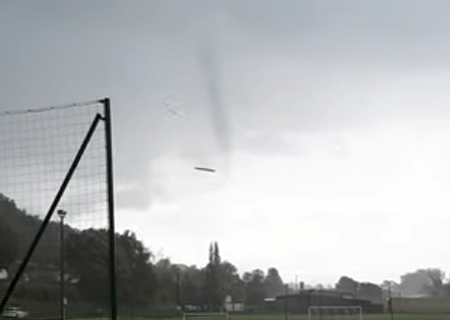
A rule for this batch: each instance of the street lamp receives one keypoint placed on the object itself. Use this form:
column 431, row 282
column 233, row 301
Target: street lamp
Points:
column 62, row 215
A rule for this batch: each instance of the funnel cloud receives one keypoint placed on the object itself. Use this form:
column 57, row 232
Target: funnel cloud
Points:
column 210, row 66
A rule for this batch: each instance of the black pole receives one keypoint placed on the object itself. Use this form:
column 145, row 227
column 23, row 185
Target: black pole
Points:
column 286, row 302
column 319, row 296
column 178, row 289
column 391, row 311
column 110, row 196
column 50, row 212
column 62, row 277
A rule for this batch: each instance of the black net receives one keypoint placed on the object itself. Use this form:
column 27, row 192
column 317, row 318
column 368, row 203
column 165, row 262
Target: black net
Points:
column 37, row 148
column 335, row 313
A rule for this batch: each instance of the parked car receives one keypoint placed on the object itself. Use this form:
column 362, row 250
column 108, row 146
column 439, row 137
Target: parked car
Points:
column 14, row 312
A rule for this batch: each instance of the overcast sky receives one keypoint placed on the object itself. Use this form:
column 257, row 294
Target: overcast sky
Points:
column 328, row 123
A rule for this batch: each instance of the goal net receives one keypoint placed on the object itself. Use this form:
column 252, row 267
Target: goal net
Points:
column 55, row 212
column 206, row 315
column 335, row 312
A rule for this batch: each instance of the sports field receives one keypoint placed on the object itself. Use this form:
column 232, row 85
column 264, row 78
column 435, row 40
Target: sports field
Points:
column 304, row 317
column 368, row 317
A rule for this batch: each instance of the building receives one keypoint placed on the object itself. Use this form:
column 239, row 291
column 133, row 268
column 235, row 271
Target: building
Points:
column 300, row 302
column 421, row 305
column 231, row 306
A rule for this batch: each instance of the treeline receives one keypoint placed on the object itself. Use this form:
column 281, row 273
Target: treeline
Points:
column 362, row 290
column 142, row 281
column 429, row 282
column 145, row 283
column 422, row 282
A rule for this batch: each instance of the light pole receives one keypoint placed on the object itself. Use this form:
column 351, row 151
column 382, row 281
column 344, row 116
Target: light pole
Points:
column 62, row 215
column 391, row 311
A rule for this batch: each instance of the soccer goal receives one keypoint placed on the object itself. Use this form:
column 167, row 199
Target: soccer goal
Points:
column 206, row 315
column 335, row 312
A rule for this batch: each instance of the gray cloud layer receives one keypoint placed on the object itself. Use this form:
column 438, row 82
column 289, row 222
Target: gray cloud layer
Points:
column 282, row 67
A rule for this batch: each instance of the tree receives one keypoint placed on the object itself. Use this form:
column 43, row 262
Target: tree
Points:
column 213, row 284
column 216, row 255
column 370, row 291
column 138, row 279
column 273, row 284
column 25, row 227
column 8, row 244
column 346, row 284
column 390, row 289
column 166, row 283
column 319, row 286
column 254, row 287
column 191, row 280
column 232, row 283
column 423, row 281
column 86, row 254
column 436, row 278
column 87, row 257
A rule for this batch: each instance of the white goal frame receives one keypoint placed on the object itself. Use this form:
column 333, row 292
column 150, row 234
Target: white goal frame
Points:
column 206, row 314
column 357, row 308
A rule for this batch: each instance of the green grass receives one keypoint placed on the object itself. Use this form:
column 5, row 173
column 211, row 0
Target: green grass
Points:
column 304, row 317
column 365, row 317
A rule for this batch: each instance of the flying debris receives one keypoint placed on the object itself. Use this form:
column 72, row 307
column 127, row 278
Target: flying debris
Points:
column 205, row 169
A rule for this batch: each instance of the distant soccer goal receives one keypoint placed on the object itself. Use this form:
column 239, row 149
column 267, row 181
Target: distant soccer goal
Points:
column 335, row 312
column 206, row 315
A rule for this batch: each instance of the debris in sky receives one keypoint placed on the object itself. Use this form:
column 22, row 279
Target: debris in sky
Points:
column 205, row 169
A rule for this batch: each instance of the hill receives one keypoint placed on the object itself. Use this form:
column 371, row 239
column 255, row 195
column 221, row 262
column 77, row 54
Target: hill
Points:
column 24, row 228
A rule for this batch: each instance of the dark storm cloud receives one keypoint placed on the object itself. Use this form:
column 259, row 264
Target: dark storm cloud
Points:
column 274, row 68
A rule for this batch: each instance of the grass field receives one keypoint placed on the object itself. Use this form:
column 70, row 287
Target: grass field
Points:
column 304, row 317
column 366, row 317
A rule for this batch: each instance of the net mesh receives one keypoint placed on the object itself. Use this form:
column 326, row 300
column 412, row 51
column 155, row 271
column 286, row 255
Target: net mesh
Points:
column 206, row 316
column 335, row 313
column 37, row 148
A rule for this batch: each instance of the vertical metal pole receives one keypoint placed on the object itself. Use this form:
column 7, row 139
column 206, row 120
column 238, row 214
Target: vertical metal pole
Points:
column 391, row 311
column 286, row 302
column 62, row 279
column 110, row 199
column 179, row 297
